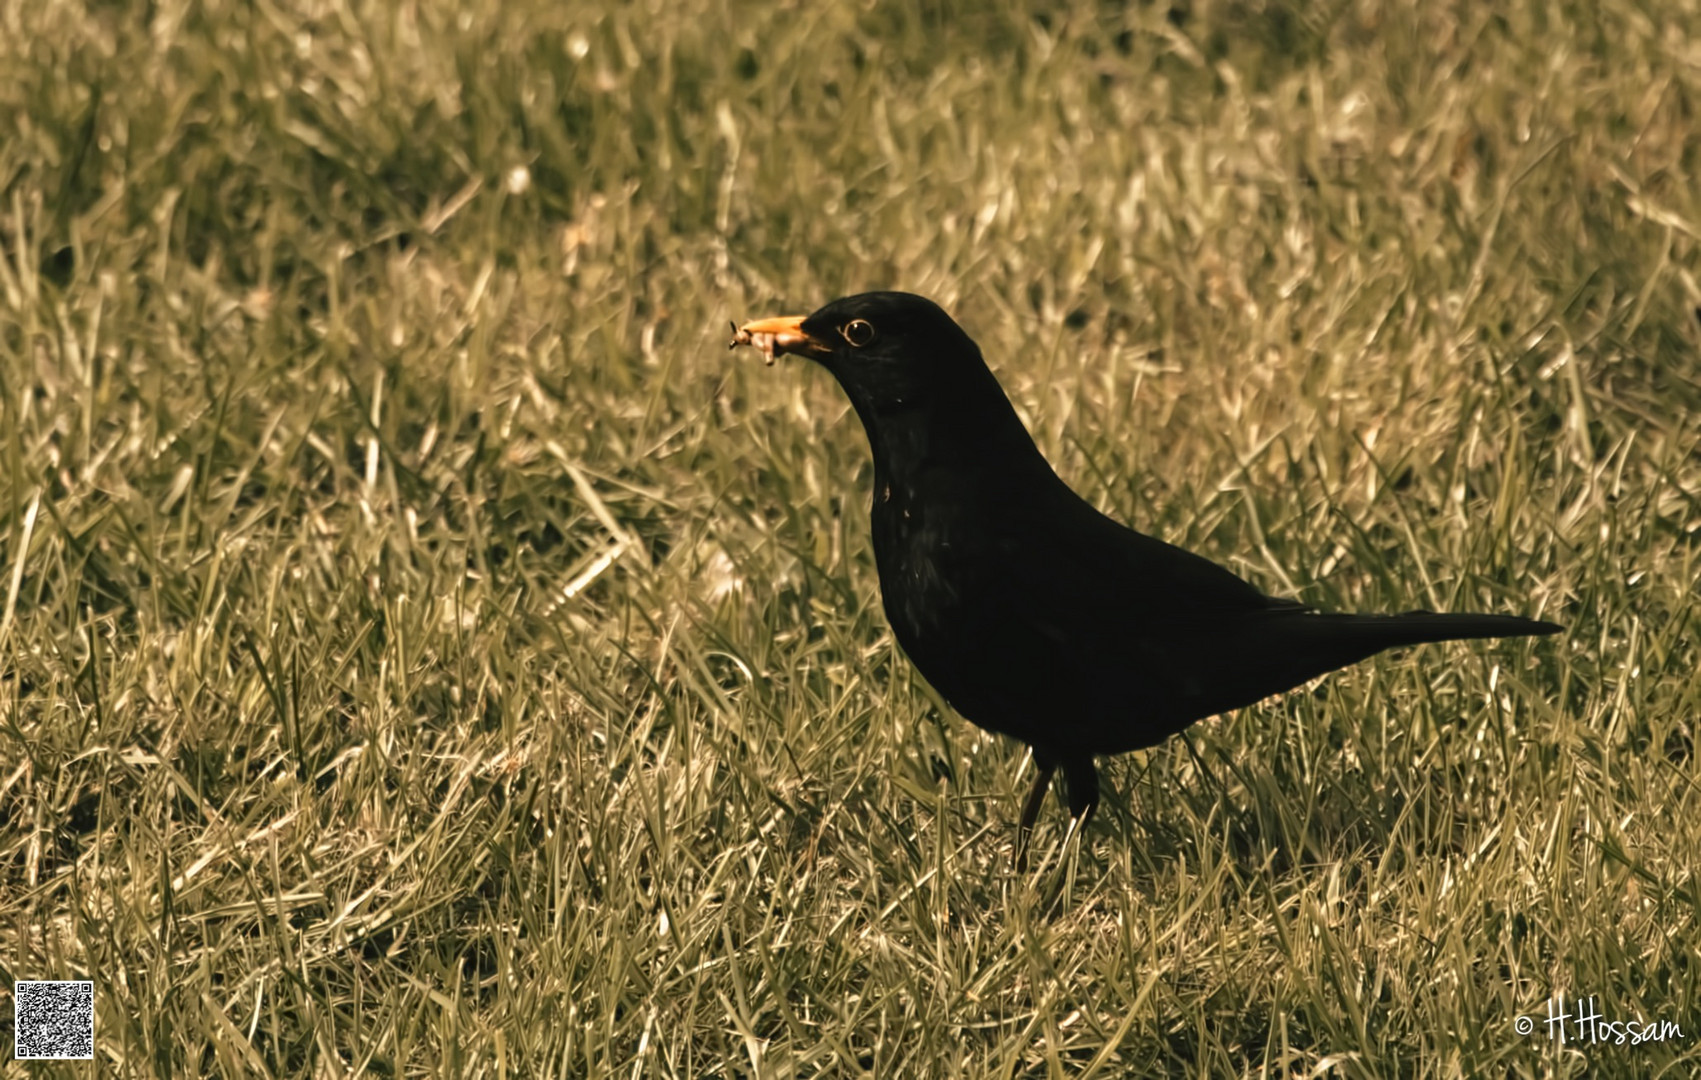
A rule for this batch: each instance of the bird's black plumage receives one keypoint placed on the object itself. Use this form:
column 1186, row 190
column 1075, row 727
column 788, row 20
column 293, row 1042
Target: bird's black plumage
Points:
column 1031, row 612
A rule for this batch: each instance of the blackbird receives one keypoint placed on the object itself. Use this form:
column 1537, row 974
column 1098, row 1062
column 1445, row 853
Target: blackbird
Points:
column 1033, row 614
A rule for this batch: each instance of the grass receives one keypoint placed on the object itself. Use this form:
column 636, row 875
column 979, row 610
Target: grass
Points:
column 426, row 651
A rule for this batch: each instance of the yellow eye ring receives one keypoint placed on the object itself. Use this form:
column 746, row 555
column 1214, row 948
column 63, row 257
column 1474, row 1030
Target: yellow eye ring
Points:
column 858, row 332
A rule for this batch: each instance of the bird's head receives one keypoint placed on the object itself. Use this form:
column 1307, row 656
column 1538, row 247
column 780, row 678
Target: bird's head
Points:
column 891, row 351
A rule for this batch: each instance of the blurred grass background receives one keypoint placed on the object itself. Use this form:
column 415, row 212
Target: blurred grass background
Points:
column 426, row 651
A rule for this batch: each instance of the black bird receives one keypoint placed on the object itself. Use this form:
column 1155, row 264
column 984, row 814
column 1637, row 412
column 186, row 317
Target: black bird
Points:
column 1032, row 613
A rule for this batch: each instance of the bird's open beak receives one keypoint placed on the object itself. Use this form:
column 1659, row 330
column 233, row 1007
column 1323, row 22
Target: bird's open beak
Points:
column 783, row 334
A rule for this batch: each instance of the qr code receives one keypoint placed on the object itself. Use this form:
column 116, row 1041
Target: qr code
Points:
column 53, row 1020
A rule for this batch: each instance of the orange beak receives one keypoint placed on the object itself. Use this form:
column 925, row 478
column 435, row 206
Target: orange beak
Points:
column 782, row 334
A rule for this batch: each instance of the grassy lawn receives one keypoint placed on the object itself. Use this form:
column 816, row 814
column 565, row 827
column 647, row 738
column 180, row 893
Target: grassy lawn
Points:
column 426, row 651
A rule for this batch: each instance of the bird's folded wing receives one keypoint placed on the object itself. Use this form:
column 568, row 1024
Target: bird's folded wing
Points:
column 1107, row 572
column 1109, row 620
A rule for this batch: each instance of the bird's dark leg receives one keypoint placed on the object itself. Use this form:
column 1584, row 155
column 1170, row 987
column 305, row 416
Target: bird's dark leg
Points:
column 1030, row 809
column 1083, row 781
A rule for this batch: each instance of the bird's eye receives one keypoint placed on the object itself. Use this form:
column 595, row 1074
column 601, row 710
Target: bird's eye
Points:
column 858, row 332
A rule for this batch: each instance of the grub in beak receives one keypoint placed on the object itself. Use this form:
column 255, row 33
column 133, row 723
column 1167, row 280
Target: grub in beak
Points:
column 784, row 334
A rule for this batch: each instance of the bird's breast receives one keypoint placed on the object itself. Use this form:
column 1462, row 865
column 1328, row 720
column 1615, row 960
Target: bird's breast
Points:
column 922, row 570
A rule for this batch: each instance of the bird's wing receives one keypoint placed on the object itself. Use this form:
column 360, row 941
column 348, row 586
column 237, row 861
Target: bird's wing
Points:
column 1091, row 596
column 1054, row 614
column 1090, row 563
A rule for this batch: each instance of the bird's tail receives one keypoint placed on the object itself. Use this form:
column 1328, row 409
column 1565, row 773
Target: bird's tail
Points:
column 1417, row 627
column 1332, row 641
column 1253, row 658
